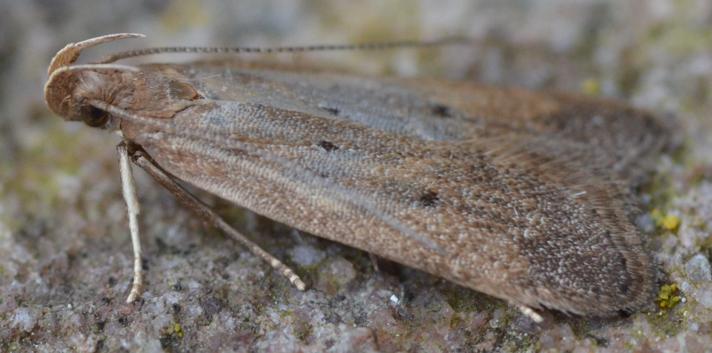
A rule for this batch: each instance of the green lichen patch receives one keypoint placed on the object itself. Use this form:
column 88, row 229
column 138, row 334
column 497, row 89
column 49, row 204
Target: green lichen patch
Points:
column 463, row 299
column 303, row 330
column 668, row 296
column 171, row 337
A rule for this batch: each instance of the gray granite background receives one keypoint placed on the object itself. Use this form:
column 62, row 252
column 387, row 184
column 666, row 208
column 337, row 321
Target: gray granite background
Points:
column 65, row 255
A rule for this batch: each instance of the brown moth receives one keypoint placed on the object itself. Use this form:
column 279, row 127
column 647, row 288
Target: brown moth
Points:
column 517, row 194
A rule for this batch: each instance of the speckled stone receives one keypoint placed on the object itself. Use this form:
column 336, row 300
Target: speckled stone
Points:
column 306, row 255
column 335, row 275
column 698, row 268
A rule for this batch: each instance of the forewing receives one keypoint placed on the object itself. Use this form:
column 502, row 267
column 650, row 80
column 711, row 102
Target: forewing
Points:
column 620, row 140
column 504, row 215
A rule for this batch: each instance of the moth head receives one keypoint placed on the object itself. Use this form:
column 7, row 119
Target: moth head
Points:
column 72, row 91
column 81, row 92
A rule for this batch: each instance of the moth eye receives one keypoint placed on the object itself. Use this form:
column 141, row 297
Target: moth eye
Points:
column 94, row 116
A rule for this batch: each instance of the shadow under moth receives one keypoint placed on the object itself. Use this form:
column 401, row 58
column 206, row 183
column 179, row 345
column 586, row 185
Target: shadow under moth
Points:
column 521, row 195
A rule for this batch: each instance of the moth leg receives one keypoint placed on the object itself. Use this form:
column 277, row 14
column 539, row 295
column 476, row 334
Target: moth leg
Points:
column 374, row 262
column 143, row 160
column 128, row 186
column 529, row 312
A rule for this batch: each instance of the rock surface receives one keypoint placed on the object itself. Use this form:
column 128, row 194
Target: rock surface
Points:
column 65, row 257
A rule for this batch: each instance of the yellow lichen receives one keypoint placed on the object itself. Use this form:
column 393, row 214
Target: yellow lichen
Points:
column 671, row 223
column 175, row 330
column 668, row 297
column 667, row 222
column 591, row 87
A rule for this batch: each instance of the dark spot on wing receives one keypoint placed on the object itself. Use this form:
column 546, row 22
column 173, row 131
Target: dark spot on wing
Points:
column 429, row 198
column 331, row 110
column 327, row 146
column 441, row 110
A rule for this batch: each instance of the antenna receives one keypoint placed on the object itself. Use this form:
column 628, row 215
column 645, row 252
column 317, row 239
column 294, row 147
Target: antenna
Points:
column 287, row 49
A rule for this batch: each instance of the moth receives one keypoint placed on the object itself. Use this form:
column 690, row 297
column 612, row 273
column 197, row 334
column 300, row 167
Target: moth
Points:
column 521, row 195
